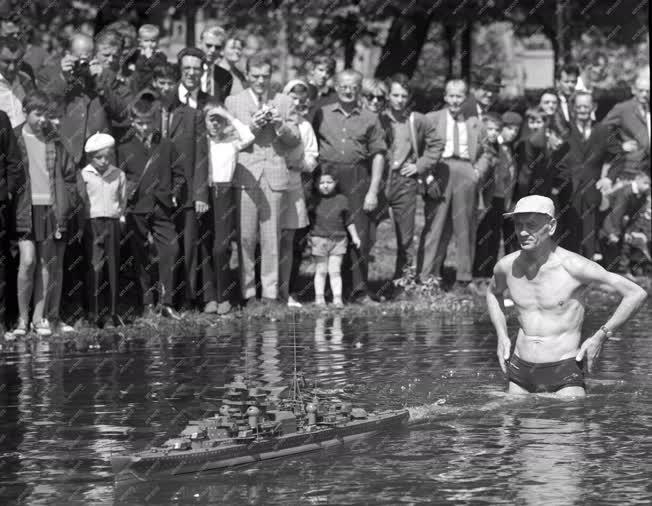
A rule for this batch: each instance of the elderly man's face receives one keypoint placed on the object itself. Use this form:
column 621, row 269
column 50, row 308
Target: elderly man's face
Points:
column 191, row 71
column 212, row 46
column 533, row 229
column 454, row 97
column 583, row 107
column 348, row 89
column 641, row 90
column 549, row 103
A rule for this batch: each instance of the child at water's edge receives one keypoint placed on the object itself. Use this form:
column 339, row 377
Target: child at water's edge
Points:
column 331, row 219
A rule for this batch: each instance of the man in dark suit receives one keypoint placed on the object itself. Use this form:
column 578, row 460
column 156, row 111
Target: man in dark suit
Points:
column 155, row 182
column 566, row 82
column 485, row 86
column 184, row 125
column 216, row 80
column 414, row 149
column 12, row 178
column 191, row 66
column 630, row 122
column 588, row 156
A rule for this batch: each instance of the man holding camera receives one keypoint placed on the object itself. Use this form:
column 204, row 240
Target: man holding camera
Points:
column 73, row 80
column 261, row 175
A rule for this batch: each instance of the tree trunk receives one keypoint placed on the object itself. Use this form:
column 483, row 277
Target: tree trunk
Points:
column 191, row 19
column 405, row 40
column 467, row 32
column 449, row 36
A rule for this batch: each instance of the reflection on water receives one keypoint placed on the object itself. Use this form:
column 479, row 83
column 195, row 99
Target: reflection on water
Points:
column 68, row 406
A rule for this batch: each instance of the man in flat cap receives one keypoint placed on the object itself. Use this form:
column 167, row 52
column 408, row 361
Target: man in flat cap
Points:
column 547, row 284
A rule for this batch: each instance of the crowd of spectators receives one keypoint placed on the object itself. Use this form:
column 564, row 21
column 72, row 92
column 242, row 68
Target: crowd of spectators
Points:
column 117, row 160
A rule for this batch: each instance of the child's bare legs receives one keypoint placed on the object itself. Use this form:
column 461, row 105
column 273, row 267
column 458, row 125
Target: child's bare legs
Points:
column 28, row 263
column 321, row 270
column 334, row 273
column 41, row 281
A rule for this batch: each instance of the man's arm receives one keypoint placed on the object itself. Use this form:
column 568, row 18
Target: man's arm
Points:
column 433, row 148
column 496, row 308
column 633, row 296
column 377, row 148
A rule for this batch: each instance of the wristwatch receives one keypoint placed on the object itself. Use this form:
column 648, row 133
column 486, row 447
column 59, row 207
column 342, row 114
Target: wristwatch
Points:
column 607, row 333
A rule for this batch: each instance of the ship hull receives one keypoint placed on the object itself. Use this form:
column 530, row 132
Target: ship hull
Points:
column 154, row 467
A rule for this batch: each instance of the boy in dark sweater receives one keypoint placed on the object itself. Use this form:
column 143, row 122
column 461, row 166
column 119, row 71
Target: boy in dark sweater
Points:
column 331, row 219
column 155, row 181
column 145, row 58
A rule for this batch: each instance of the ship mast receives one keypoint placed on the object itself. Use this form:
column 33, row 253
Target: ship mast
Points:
column 297, row 398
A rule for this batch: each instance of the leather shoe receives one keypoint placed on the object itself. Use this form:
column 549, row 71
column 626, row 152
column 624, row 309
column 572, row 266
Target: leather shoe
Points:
column 169, row 312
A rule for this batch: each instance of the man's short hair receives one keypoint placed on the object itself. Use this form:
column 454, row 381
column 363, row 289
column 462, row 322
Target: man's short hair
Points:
column 322, row 59
column 349, row 73
column 456, row 82
column 402, row 80
column 568, row 69
column 535, row 113
column 148, row 30
column 548, row 91
column 257, row 61
column 165, row 71
column 124, row 28
column 216, row 31
column 145, row 105
column 13, row 44
column 583, row 93
column 191, row 51
column 110, row 38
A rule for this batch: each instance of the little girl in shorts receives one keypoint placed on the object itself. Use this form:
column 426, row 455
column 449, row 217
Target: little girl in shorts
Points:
column 331, row 220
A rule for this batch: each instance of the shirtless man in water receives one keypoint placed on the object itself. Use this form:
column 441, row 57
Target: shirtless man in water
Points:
column 547, row 283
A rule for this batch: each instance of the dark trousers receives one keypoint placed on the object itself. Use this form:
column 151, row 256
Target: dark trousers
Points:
column 354, row 181
column 195, row 237
column 401, row 194
column 102, row 242
column 491, row 228
column 4, row 263
column 580, row 221
column 451, row 215
column 159, row 223
column 222, row 214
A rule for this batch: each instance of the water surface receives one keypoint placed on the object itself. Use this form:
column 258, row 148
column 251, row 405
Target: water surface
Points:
column 66, row 407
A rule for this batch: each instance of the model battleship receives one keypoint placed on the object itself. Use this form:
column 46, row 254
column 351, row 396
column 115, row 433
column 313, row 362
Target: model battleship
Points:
column 254, row 424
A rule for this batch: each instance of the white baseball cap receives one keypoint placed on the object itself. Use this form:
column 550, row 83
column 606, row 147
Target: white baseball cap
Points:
column 533, row 204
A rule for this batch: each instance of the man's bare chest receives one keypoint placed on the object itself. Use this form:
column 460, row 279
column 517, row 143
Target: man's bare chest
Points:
column 550, row 289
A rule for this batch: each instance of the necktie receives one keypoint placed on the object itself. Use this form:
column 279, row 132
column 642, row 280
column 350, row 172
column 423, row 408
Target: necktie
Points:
column 209, row 81
column 165, row 122
column 456, row 138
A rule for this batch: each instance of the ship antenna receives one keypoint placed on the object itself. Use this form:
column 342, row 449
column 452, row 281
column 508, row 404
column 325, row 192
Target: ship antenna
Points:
column 297, row 398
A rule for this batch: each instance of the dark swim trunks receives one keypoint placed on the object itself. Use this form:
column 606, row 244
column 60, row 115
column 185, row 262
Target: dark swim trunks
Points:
column 545, row 377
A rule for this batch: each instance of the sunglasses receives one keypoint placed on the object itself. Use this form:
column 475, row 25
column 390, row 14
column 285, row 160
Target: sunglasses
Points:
column 370, row 97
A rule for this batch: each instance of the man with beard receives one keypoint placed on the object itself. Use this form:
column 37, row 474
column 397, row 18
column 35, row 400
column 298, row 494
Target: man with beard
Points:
column 547, row 284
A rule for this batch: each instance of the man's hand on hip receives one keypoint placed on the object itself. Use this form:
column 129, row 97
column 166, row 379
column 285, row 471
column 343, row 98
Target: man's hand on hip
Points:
column 591, row 349
column 504, row 347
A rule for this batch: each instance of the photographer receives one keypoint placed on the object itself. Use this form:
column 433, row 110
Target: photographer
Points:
column 73, row 81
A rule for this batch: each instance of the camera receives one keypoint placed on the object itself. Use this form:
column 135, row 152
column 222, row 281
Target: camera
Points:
column 81, row 66
column 268, row 112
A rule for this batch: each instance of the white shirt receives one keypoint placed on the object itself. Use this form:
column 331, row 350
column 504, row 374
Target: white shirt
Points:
column 184, row 98
column 223, row 155
column 586, row 131
column 563, row 103
column 209, row 70
column 303, row 156
column 463, row 138
column 107, row 193
column 11, row 100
